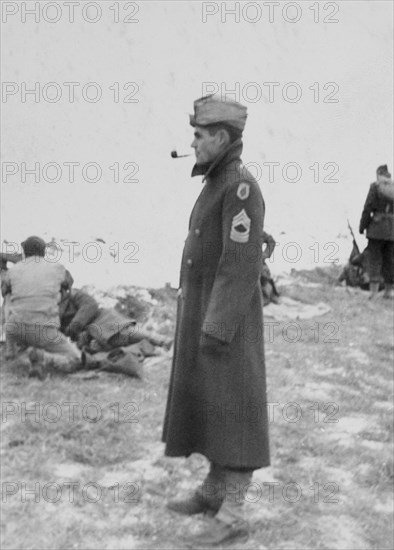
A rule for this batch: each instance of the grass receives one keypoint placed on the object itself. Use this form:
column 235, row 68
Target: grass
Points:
column 343, row 471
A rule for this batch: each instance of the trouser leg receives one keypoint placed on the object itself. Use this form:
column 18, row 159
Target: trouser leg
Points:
column 132, row 338
column 58, row 352
column 235, row 488
column 388, row 262
column 11, row 340
column 65, row 355
column 131, row 335
column 375, row 260
column 211, row 490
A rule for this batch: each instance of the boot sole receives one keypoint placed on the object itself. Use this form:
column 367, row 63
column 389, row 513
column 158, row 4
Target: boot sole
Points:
column 209, row 512
column 235, row 539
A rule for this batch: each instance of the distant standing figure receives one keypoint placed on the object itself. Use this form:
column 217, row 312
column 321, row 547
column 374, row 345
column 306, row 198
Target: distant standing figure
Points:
column 378, row 219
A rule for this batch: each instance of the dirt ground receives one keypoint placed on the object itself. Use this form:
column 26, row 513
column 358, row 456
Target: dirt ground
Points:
column 83, row 464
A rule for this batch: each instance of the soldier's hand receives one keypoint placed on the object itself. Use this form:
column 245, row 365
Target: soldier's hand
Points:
column 212, row 345
column 94, row 346
column 83, row 340
column 73, row 330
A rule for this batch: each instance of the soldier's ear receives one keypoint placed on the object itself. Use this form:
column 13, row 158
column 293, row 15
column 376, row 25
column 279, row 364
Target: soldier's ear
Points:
column 224, row 137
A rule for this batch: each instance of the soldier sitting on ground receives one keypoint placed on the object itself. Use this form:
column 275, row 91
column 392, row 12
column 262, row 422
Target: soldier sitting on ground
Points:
column 33, row 290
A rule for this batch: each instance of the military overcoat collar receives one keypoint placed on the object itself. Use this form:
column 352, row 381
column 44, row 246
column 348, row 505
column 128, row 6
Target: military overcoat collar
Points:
column 232, row 152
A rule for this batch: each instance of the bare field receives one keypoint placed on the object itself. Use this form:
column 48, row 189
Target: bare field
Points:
column 83, row 464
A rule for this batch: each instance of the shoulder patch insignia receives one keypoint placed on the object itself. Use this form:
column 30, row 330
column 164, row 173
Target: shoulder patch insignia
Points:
column 243, row 191
column 240, row 228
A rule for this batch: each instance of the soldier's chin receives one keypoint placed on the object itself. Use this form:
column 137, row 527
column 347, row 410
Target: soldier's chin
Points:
column 199, row 161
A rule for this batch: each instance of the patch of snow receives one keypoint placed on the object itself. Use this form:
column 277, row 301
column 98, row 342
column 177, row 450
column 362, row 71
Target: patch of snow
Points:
column 293, row 309
column 68, row 470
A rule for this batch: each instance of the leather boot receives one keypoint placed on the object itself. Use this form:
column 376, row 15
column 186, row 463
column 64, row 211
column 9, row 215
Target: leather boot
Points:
column 229, row 524
column 119, row 360
column 207, row 499
column 219, row 533
column 373, row 291
column 191, row 506
column 89, row 361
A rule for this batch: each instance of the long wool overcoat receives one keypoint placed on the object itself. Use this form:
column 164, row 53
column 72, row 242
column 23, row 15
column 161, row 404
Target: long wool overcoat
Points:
column 217, row 400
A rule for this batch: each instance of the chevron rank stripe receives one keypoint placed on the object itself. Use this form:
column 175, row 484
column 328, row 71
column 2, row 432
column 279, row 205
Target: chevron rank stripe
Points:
column 240, row 227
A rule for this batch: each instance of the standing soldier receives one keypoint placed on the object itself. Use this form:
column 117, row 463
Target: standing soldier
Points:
column 217, row 396
column 378, row 219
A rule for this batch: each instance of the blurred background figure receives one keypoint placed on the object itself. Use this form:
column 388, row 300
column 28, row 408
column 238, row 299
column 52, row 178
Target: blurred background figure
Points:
column 378, row 219
column 356, row 272
column 268, row 288
column 13, row 258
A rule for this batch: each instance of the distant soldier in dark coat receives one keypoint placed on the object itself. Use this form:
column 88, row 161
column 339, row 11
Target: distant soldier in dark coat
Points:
column 355, row 272
column 378, row 219
column 268, row 287
column 217, row 396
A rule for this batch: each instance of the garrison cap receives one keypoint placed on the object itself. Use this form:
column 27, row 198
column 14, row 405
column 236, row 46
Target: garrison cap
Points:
column 213, row 109
column 34, row 246
column 383, row 170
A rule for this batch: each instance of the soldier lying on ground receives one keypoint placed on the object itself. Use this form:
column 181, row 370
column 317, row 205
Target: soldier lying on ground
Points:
column 32, row 289
column 109, row 340
column 102, row 329
column 355, row 272
column 270, row 293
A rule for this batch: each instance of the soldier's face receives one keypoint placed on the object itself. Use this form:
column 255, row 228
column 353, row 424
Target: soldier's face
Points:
column 206, row 147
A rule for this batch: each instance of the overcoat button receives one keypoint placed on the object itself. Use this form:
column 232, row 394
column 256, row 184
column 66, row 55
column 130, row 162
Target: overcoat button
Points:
column 197, row 232
column 189, row 262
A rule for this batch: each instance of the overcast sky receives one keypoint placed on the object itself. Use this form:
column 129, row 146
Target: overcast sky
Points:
column 114, row 83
